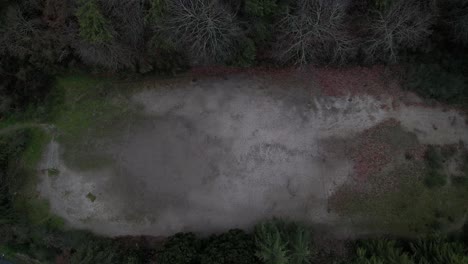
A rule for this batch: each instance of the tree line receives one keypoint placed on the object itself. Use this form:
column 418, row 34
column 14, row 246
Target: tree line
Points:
column 39, row 38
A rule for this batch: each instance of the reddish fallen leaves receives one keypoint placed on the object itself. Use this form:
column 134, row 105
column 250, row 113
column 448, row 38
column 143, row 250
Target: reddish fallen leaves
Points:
column 417, row 153
column 356, row 81
column 202, row 71
column 371, row 153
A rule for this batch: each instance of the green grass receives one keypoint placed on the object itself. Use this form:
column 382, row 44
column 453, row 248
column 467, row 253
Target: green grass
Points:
column 91, row 109
column 53, row 172
column 91, row 197
column 34, row 150
column 36, row 209
column 409, row 208
column 7, row 251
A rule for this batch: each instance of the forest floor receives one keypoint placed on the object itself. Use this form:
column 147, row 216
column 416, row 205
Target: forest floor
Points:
column 339, row 148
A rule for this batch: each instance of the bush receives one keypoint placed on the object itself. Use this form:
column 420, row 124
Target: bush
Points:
column 112, row 33
column 245, row 56
column 181, row 248
column 163, row 57
column 271, row 246
column 434, row 163
column 437, row 250
column 434, row 178
column 260, row 8
column 433, row 158
column 102, row 251
column 21, row 85
column 233, row 247
column 428, row 250
column 110, row 55
column 94, row 27
column 11, row 149
column 29, row 53
column 381, row 251
column 281, row 242
column 433, row 81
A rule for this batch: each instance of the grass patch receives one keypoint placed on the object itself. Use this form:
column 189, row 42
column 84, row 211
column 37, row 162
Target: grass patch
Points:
column 53, row 172
column 33, row 152
column 20, row 153
column 433, row 158
column 91, row 110
column 91, row 197
column 407, row 208
column 434, row 179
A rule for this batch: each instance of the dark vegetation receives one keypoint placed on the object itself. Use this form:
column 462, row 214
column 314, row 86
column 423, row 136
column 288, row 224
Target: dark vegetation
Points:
column 40, row 39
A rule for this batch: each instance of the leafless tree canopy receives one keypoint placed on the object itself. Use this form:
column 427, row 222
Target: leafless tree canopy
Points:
column 206, row 29
column 458, row 20
column 404, row 24
column 314, row 32
column 29, row 39
column 13, row 37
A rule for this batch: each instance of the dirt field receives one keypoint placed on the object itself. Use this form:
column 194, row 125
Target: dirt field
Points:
column 218, row 153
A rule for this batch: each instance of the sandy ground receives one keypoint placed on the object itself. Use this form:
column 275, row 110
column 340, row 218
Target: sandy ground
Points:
column 215, row 154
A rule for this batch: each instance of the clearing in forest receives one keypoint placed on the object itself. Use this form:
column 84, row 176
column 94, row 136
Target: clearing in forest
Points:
column 207, row 154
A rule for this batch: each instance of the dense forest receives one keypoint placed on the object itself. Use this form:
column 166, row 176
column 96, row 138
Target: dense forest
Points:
column 40, row 38
column 424, row 42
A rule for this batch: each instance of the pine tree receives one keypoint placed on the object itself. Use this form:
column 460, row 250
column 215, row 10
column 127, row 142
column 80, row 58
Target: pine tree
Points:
column 94, row 27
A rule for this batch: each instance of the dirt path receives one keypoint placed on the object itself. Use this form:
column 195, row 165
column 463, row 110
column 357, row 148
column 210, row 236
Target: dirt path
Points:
column 215, row 154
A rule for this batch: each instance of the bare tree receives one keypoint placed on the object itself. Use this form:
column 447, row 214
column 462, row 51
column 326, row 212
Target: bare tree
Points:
column 206, row 29
column 457, row 19
column 30, row 39
column 15, row 35
column 403, row 24
column 314, row 31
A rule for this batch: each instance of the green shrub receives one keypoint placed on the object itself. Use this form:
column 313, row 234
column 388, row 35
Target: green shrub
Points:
column 435, row 179
column 94, row 27
column 433, row 158
column 382, row 4
column 260, row 8
column 181, row 248
column 102, row 251
column 233, row 247
column 381, row 251
column 435, row 82
column 461, row 181
column 434, row 162
column 155, row 12
column 246, row 55
column 300, row 245
column 163, row 57
column 437, row 250
column 271, row 245
column 283, row 242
